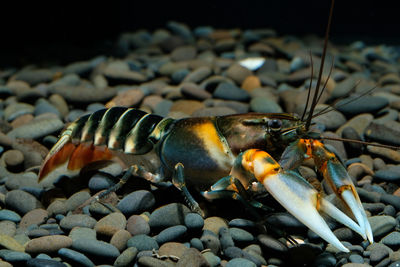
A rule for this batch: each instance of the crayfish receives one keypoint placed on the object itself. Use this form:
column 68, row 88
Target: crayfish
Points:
column 222, row 156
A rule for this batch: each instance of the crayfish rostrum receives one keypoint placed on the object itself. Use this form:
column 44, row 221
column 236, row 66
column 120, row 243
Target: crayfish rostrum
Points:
column 224, row 156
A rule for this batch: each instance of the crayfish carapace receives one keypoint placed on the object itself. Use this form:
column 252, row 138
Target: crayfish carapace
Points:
column 229, row 156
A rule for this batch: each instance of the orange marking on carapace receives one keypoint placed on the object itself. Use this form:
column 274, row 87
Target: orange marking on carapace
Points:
column 57, row 159
column 85, row 154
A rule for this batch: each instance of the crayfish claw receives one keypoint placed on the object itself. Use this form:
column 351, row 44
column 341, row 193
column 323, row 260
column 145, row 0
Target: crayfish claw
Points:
column 300, row 199
column 358, row 211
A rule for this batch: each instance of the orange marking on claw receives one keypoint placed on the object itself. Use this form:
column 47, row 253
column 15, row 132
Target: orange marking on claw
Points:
column 260, row 163
column 57, row 159
column 85, row 154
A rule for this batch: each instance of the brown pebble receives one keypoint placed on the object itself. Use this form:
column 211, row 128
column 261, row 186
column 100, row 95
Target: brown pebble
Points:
column 385, row 152
column 120, row 238
column 129, row 98
column 172, row 248
column 48, row 244
column 379, row 164
column 137, row 224
column 183, row 53
column 186, row 106
column 36, row 216
column 397, row 192
column 238, row 73
column 251, row 82
column 21, row 120
column 151, row 101
column 13, row 160
column 192, row 257
column 5, row 140
column 60, row 103
column 358, row 170
column 213, row 224
column 261, row 48
column 110, row 224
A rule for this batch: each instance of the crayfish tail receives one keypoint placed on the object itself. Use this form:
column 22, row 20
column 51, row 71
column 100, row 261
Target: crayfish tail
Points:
column 69, row 158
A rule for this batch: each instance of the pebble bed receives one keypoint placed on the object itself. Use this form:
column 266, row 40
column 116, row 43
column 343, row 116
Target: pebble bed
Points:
column 181, row 72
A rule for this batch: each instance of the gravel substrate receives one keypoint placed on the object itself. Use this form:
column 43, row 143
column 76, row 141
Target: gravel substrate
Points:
column 180, row 72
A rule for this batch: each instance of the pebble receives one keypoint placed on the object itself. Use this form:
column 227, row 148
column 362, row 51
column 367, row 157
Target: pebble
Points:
column 366, row 104
column 193, row 91
column 15, row 110
column 213, row 111
column 355, row 258
column 13, row 160
column 48, row 244
column 80, row 220
column 36, row 216
column 136, row 202
column 383, row 133
column 196, row 243
column 388, row 174
column 9, row 215
column 381, row 225
column 391, row 200
column 192, row 257
column 230, row 91
column 16, row 257
column 110, row 224
column 211, row 242
column 37, row 128
column 142, row 242
column 10, row 243
column 271, row 244
column 240, row 262
column 44, row 263
column 183, row 53
column 127, row 98
column 137, row 225
column 225, row 238
column 264, row 105
column 168, row 215
column 126, row 258
column 194, row 221
column 75, row 257
column 238, row 73
column 96, row 248
column 385, row 153
column 82, row 232
column 173, row 249
column 153, row 262
column 212, row 259
column 392, row 239
column 214, row 224
column 120, row 239
column 172, row 233
column 331, row 120
column 21, row 201
column 198, row 75
column 251, row 82
column 240, row 235
column 83, row 95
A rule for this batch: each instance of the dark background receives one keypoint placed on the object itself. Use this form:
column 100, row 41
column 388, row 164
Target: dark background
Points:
column 65, row 31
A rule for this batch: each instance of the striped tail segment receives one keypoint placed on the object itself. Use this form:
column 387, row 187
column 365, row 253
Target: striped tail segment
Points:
column 93, row 138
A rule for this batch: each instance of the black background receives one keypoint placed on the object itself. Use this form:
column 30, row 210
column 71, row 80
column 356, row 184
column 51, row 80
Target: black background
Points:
column 65, row 31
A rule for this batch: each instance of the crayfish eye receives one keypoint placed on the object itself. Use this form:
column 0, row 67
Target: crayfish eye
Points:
column 274, row 125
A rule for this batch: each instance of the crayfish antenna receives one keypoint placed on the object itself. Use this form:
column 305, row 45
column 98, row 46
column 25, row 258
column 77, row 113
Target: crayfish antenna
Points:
column 317, row 93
